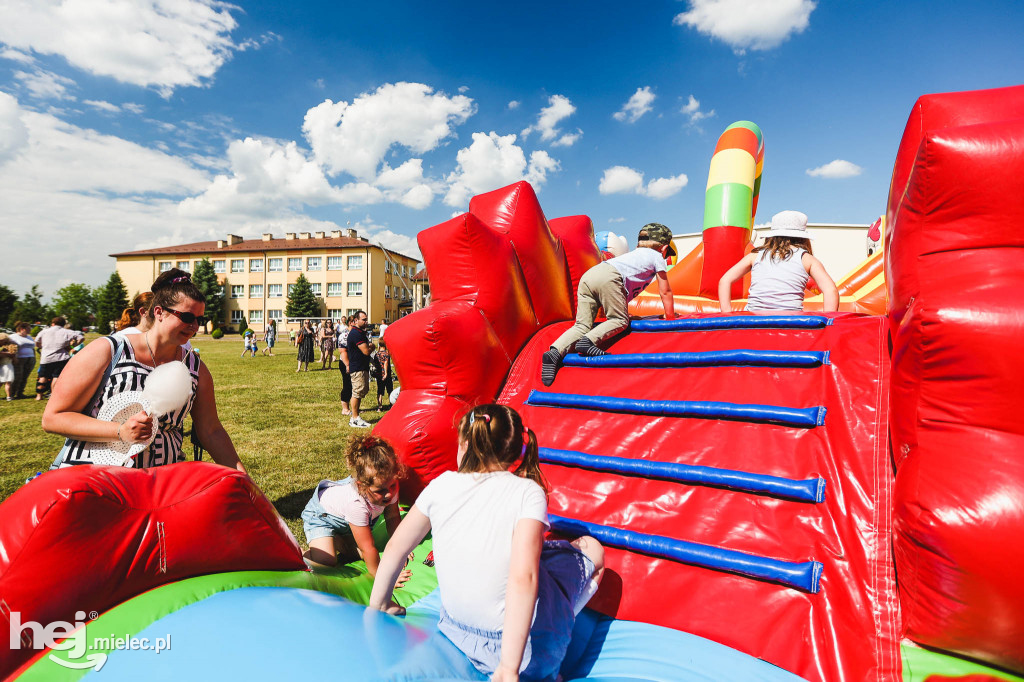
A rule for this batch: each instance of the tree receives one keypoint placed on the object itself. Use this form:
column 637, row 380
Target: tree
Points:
column 111, row 300
column 76, row 303
column 7, row 300
column 206, row 281
column 301, row 301
column 30, row 308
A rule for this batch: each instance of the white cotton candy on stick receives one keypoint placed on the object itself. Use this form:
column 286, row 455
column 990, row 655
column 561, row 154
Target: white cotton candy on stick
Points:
column 167, row 388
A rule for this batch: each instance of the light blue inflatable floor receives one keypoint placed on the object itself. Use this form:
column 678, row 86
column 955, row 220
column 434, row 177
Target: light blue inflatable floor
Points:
column 276, row 633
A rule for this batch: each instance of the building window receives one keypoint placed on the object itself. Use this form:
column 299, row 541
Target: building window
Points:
column 352, row 311
column 334, row 289
column 355, row 263
column 387, row 267
column 185, row 265
column 275, row 264
column 165, row 265
column 237, row 316
column 237, row 265
column 335, row 313
column 255, row 291
column 218, row 266
column 274, row 315
column 355, row 288
column 313, row 263
column 387, row 291
column 291, row 290
column 237, row 290
column 334, row 262
column 274, row 290
column 255, row 316
column 294, row 265
column 315, row 286
column 255, row 265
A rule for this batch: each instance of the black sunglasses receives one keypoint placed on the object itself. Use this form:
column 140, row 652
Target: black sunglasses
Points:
column 187, row 318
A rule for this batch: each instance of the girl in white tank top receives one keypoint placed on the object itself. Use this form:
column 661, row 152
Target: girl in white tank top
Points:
column 780, row 270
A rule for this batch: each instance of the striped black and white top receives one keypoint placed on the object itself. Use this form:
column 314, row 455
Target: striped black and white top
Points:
column 129, row 374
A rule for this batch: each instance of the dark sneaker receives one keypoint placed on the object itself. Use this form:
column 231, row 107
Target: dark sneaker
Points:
column 549, row 364
column 586, row 347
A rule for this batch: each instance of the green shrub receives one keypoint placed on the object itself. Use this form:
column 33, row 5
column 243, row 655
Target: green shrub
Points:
column 218, row 333
column 242, row 326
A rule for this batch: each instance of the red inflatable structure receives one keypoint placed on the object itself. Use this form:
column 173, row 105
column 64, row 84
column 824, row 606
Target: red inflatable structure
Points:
column 148, row 519
column 956, row 283
column 947, row 523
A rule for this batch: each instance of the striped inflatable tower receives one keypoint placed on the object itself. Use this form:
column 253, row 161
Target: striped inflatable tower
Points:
column 730, row 203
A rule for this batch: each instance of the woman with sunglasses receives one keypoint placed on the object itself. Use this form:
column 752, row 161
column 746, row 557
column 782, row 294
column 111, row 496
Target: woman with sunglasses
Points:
column 174, row 316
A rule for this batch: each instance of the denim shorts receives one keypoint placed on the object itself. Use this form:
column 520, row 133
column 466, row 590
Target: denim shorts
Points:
column 317, row 523
column 564, row 573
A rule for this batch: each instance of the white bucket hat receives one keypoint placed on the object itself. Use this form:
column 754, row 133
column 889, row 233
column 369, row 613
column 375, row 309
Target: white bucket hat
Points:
column 789, row 224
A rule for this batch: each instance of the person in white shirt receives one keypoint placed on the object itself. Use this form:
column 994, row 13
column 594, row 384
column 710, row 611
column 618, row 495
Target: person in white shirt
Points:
column 611, row 285
column 54, row 345
column 509, row 599
column 25, row 359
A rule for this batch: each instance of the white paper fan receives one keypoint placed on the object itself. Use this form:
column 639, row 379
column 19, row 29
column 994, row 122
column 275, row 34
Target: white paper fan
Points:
column 120, row 408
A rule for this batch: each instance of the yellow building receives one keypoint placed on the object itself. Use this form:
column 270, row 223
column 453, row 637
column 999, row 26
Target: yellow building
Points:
column 347, row 274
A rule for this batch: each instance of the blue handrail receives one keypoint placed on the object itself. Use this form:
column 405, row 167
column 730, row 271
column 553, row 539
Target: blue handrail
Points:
column 688, row 324
column 716, row 358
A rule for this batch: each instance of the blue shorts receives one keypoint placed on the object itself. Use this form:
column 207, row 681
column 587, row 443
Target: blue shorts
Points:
column 317, row 523
column 564, row 573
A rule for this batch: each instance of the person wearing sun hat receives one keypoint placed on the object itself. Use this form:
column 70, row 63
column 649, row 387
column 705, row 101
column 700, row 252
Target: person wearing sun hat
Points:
column 611, row 285
column 780, row 269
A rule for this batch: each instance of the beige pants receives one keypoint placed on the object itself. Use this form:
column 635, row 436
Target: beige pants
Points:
column 600, row 287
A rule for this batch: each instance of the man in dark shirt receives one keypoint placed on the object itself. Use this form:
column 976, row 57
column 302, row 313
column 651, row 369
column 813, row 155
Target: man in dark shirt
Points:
column 358, row 348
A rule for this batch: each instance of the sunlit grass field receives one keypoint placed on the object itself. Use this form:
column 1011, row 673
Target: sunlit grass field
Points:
column 287, row 427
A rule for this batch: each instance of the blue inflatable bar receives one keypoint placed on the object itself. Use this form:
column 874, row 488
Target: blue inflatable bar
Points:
column 805, row 575
column 717, row 358
column 704, row 324
column 809, row 490
column 807, row 417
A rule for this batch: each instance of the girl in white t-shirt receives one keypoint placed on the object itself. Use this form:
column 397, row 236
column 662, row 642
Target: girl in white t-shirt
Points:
column 338, row 520
column 509, row 599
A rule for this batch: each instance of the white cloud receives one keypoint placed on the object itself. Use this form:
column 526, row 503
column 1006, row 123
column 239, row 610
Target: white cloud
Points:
column 133, row 107
column 267, row 176
column 354, row 138
column 102, row 106
column 16, row 55
column 257, row 43
column 559, row 108
column 493, row 161
column 748, row 24
column 621, row 180
column 163, row 44
column 44, row 84
column 663, row 188
column 626, row 180
column 463, row 89
column 692, row 111
column 638, row 105
column 835, row 169
column 616, row 220
column 384, row 236
column 406, row 184
column 13, row 133
column 514, row 104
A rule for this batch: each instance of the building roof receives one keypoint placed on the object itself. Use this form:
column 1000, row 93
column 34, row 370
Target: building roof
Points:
column 420, row 276
column 250, row 245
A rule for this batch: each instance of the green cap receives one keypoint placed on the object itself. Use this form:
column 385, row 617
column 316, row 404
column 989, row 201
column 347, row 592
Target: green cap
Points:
column 656, row 232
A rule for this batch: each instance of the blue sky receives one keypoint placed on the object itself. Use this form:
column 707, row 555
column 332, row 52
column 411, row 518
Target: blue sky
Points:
column 135, row 123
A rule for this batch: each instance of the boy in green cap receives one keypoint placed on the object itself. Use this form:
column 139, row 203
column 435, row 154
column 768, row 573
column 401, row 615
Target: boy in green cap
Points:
column 611, row 285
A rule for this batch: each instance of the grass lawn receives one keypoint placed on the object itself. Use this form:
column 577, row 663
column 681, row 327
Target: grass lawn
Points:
column 287, row 427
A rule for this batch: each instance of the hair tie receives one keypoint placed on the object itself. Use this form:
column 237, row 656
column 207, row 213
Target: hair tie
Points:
column 526, row 440
column 183, row 278
column 486, row 417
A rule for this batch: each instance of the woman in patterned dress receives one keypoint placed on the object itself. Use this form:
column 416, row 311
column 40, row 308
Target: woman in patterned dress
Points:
column 327, row 344
column 307, row 337
column 174, row 317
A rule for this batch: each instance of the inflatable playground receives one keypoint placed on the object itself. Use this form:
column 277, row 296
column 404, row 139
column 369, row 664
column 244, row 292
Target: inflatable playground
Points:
column 825, row 497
